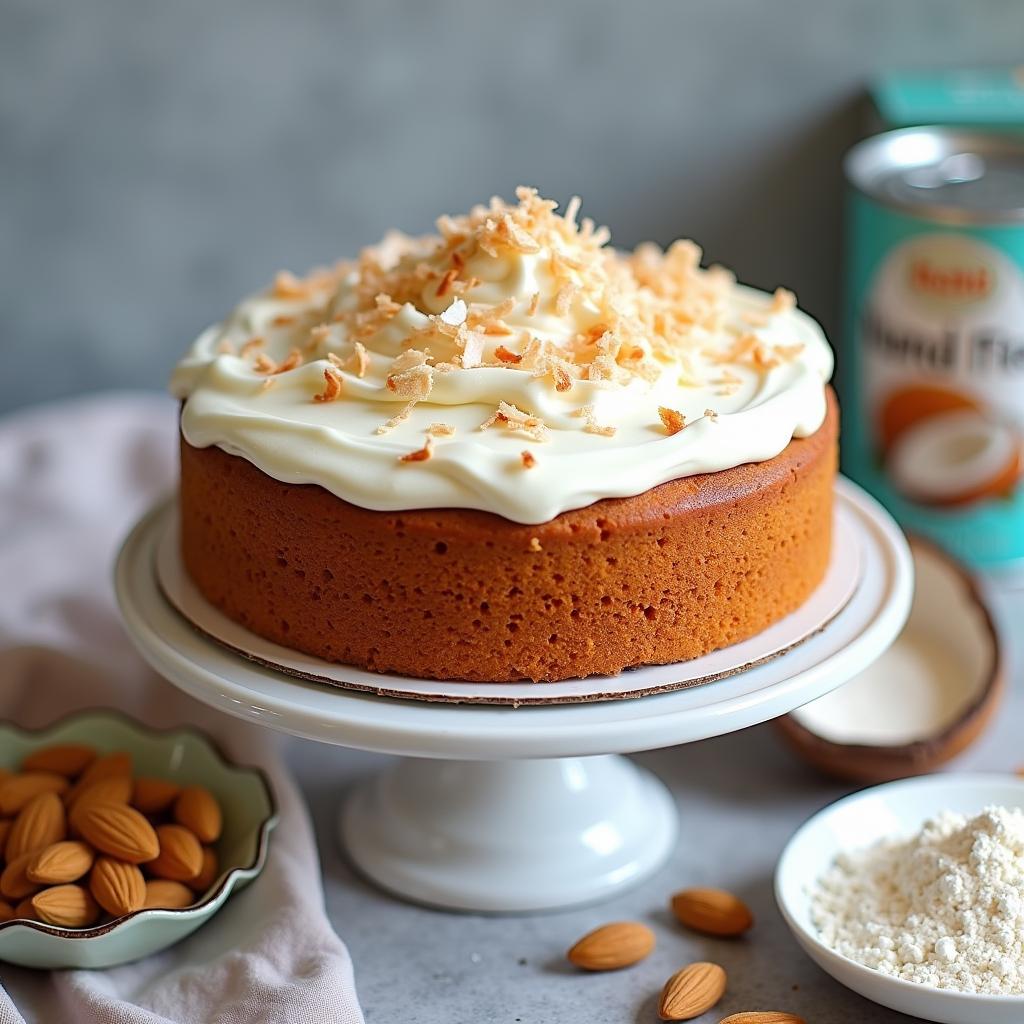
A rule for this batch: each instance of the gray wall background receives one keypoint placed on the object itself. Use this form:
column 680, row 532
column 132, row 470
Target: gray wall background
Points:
column 158, row 160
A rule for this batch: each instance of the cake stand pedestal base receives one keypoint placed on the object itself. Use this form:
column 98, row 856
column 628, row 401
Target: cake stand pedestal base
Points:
column 509, row 836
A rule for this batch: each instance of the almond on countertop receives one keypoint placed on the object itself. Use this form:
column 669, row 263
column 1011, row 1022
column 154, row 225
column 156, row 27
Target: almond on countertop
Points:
column 692, row 991
column 712, row 912
column 612, row 946
column 762, row 1017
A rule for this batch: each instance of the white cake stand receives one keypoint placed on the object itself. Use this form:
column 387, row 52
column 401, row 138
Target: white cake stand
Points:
column 504, row 809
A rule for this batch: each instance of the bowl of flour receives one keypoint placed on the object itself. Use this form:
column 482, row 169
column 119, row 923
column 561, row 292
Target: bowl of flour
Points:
column 912, row 894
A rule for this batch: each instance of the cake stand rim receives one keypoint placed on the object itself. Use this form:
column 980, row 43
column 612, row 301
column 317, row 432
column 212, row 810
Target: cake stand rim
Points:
column 212, row 674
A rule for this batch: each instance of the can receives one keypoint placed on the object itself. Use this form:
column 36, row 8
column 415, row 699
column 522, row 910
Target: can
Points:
column 932, row 371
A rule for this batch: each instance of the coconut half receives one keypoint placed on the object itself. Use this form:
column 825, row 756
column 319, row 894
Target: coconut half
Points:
column 955, row 458
column 924, row 700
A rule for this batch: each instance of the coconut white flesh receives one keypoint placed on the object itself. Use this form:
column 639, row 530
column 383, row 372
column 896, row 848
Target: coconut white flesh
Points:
column 944, row 457
column 924, row 683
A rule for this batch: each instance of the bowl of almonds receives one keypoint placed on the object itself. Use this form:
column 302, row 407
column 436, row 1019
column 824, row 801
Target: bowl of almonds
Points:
column 117, row 840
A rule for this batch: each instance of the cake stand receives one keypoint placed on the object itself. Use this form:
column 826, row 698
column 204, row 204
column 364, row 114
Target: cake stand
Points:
column 512, row 809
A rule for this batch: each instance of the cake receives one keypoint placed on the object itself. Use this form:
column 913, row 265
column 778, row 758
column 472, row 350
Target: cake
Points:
column 508, row 452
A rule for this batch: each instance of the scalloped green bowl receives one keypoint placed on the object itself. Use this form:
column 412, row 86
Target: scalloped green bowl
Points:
column 186, row 756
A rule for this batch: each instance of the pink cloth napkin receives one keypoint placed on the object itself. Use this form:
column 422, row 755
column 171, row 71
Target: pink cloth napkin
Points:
column 74, row 477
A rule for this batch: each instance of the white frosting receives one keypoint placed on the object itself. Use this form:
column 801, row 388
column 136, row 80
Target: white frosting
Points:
column 294, row 438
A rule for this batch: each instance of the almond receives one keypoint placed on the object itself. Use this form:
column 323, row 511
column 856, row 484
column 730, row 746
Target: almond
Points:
column 117, row 887
column 68, row 906
column 120, row 831
column 67, row 759
column 24, row 911
column 208, row 873
column 691, row 991
column 105, row 767
column 762, row 1017
column 58, row 863
column 199, row 812
column 154, row 796
column 180, row 858
column 115, row 790
column 16, row 791
column 40, row 823
column 612, row 946
column 6, row 911
column 14, row 882
column 163, row 894
column 712, row 912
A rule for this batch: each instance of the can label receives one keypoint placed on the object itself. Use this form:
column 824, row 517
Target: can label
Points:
column 933, row 377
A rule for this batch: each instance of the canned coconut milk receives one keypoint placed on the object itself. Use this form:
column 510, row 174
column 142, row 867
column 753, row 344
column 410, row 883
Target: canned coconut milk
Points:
column 933, row 376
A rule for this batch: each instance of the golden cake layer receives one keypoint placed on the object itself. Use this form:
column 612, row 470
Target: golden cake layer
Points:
column 670, row 574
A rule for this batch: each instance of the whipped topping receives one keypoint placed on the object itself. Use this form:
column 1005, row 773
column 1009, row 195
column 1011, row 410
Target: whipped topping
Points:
column 515, row 363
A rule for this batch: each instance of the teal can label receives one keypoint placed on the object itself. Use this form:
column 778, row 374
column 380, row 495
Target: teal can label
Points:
column 932, row 370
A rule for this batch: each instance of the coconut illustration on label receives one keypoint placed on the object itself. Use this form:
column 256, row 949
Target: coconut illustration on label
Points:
column 943, row 376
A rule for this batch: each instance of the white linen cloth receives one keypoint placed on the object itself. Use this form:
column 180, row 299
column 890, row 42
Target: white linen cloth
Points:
column 74, row 477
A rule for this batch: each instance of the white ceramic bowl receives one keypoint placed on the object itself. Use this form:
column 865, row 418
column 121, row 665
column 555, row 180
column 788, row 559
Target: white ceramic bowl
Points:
column 896, row 808
column 186, row 756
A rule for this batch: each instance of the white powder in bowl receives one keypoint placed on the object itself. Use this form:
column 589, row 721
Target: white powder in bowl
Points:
column 942, row 908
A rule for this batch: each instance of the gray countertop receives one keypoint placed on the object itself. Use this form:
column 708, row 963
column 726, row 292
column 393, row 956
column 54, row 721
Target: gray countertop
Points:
column 740, row 798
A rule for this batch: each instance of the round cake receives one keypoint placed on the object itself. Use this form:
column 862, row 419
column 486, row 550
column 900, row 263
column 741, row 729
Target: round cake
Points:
column 508, row 452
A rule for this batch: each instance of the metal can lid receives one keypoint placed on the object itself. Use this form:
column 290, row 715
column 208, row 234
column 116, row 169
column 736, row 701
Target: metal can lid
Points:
column 945, row 174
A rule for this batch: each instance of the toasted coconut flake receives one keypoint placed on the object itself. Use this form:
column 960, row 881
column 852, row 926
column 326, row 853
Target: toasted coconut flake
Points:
column 359, row 359
column 531, row 309
column 783, row 301
column 264, row 364
column 415, row 382
column 287, row 286
column 673, row 420
column 290, row 361
column 408, row 359
column 282, row 320
column 441, row 429
column 711, row 415
column 603, row 429
column 446, row 282
column 535, row 544
column 507, row 356
column 528, row 459
column 455, row 314
column 332, row 387
column 789, row 352
column 515, row 419
column 399, row 417
column 473, row 350
column 563, row 380
column 320, row 333
column 254, row 343
column 563, row 300
column 421, row 454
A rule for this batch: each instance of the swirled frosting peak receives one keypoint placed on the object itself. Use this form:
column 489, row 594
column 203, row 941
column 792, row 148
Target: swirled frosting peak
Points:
column 514, row 363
